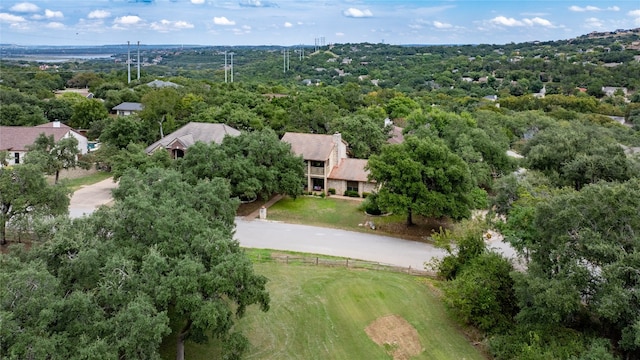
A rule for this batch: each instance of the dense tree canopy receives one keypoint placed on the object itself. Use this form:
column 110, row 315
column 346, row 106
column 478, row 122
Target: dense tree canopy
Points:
column 424, row 177
column 107, row 286
column 24, row 193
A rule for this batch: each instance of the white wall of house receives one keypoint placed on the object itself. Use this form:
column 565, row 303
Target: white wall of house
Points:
column 83, row 143
column 12, row 156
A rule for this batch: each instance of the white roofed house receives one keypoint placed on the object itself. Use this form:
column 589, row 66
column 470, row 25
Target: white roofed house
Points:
column 178, row 141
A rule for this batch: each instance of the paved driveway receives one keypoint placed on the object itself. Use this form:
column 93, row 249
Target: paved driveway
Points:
column 87, row 199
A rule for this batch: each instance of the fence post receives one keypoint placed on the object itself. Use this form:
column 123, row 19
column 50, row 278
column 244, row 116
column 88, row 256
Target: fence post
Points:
column 287, row 260
column 347, row 262
column 409, row 269
column 316, row 261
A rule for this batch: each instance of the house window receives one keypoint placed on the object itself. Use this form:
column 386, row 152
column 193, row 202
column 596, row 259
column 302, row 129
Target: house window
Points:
column 317, row 163
column 178, row 153
column 318, row 184
column 16, row 158
column 352, row 186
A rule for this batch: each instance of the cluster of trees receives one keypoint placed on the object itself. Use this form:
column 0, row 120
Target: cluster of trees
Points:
column 160, row 261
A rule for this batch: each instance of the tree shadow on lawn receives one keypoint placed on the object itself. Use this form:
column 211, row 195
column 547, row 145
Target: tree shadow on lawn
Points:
column 421, row 231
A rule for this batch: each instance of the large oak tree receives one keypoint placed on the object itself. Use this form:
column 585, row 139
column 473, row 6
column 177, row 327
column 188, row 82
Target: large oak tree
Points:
column 422, row 176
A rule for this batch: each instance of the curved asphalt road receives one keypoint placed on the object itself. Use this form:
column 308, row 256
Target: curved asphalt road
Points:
column 282, row 236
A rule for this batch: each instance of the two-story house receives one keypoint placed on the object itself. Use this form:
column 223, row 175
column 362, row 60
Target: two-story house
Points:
column 327, row 165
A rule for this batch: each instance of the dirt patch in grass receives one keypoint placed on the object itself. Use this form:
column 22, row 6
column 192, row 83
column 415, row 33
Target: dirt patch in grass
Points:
column 422, row 229
column 396, row 335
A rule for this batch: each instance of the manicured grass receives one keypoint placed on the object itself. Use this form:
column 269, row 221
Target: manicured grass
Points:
column 327, row 212
column 75, row 184
column 321, row 313
column 344, row 214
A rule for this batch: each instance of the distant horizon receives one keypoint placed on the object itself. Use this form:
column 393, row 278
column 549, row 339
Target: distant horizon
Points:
column 289, row 23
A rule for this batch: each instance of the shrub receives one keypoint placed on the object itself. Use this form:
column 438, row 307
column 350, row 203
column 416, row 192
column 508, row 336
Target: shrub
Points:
column 370, row 205
column 365, row 194
column 351, row 193
column 332, row 191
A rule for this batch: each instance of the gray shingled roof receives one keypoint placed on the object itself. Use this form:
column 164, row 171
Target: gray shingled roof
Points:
column 160, row 84
column 350, row 170
column 194, row 132
column 313, row 147
column 17, row 138
column 128, row 106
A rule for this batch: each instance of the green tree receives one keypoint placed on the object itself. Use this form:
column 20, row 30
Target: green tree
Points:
column 122, row 131
column 86, row 112
column 52, row 157
column 583, row 257
column 24, row 192
column 422, row 176
column 364, row 135
column 109, row 285
column 257, row 164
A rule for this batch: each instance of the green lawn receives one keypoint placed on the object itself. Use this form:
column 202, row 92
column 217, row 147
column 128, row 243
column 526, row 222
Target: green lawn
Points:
column 321, row 313
column 332, row 212
column 344, row 214
column 75, row 184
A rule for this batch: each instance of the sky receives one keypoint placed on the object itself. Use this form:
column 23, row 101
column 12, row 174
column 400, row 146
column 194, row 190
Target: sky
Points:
column 294, row 22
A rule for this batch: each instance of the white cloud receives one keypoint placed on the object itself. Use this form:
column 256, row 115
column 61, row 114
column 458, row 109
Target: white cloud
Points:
column 511, row 22
column 357, row 13
column 99, row 14
column 441, row 25
column 537, row 21
column 25, row 7
column 288, row 24
column 197, row 2
column 416, row 26
column 50, row 14
column 501, row 20
column 127, row 20
column 576, row 8
column 636, row 15
column 339, row 34
column 167, row 25
column 257, row 3
column 9, row 18
column 223, row 21
column 593, row 23
column 55, row 25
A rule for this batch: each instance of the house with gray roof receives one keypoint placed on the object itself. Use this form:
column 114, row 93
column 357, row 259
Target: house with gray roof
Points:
column 327, row 165
column 15, row 140
column 127, row 108
column 178, row 141
column 162, row 84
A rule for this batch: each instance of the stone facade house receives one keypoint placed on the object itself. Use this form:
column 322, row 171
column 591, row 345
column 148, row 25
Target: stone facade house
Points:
column 327, row 165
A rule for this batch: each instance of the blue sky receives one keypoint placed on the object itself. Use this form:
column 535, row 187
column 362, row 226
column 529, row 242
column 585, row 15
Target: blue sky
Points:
column 292, row 22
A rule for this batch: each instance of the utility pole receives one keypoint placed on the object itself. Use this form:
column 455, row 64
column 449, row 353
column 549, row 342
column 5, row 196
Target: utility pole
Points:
column 128, row 63
column 225, row 66
column 138, row 60
column 231, row 67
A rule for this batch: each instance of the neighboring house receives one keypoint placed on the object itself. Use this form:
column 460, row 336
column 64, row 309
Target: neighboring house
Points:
column 611, row 90
column 178, row 141
column 127, row 108
column 16, row 139
column 326, row 163
column 162, row 84
column 396, row 135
